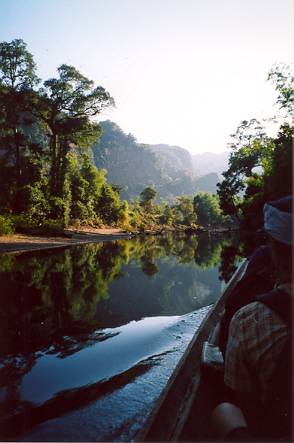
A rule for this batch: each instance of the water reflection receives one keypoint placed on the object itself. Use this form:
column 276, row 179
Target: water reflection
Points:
column 61, row 311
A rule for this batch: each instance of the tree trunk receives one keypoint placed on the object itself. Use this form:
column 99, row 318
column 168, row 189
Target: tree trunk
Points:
column 54, row 148
column 18, row 170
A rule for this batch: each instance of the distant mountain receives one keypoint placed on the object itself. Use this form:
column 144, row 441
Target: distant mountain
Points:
column 133, row 166
column 207, row 183
column 173, row 158
column 208, row 162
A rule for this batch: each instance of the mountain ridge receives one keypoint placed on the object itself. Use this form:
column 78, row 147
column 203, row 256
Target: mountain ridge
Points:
column 207, row 162
column 134, row 166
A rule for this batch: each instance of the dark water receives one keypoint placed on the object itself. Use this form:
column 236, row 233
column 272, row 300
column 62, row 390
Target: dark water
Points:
column 91, row 334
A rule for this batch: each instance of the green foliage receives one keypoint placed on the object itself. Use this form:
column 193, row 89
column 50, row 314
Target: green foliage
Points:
column 166, row 218
column 136, row 214
column 43, row 172
column 279, row 179
column 254, row 177
column 246, row 132
column 58, row 208
column 68, row 103
column 27, row 224
column 17, row 67
column 207, row 208
column 184, row 212
column 108, row 205
column 282, row 77
column 47, row 172
column 124, row 216
column 260, row 167
column 251, row 148
column 146, row 198
column 17, row 79
column 6, row 225
column 33, row 202
column 147, row 195
column 50, row 227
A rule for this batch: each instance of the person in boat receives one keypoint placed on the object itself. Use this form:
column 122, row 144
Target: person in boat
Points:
column 258, row 278
column 258, row 357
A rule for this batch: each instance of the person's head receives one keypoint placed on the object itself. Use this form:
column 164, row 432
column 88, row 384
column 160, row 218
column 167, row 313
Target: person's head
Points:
column 278, row 224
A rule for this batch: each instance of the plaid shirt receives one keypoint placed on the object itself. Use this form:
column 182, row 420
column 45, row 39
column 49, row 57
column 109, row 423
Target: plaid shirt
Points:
column 252, row 351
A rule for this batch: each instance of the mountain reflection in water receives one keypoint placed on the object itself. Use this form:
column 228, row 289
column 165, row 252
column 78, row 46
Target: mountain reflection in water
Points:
column 81, row 324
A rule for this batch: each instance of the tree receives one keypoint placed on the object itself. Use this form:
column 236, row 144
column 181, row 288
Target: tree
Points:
column 108, row 205
column 124, row 215
column 184, row 212
column 282, row 77
column 17, row 78
column 85, row 185
column 207, row 208
column 17, row 66
column 260, row 167
column 68, row 104
column 167, row 215
column 279, row 180
column 248, row 145
column 247, row 131
column 45, row 136
column 146, row 196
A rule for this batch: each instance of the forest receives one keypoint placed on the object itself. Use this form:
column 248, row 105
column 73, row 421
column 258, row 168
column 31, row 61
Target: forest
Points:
column 50, row 137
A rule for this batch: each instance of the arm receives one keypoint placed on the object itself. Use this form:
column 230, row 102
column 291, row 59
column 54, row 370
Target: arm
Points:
column 229, row 424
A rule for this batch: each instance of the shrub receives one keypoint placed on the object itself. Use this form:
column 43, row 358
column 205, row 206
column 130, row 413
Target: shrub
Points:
column 27, row 225
column 108, row 205
column 51, row 227
column 59, row 209
column 6, row 225
column 24, row 223
column 79, row 211
column 33, row 202
column 124, row 216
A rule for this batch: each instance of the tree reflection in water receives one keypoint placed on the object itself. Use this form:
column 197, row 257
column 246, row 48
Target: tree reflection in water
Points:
column 57, row 303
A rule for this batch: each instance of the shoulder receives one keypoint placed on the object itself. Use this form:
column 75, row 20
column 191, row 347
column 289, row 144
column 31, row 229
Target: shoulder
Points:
column 243, row 325
column 254, row 311
column 247, row 313
column 256, row 323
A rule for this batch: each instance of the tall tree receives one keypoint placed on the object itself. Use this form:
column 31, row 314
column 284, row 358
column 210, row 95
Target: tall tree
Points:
column 108, row 205
column 147, row 196
column 260, row 167
column 17, row 78
column 207, row 208
column 18, row 69
column 68, row 105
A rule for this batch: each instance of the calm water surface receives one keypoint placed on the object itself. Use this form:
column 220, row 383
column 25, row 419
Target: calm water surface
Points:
column 91, row 334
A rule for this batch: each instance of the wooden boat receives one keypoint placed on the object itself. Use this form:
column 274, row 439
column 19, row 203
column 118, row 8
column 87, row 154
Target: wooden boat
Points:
column 183, row 409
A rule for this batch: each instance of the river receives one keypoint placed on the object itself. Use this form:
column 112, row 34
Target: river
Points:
column 91, row 334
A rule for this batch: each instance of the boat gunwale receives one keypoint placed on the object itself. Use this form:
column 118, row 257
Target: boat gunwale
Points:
column 168, row 417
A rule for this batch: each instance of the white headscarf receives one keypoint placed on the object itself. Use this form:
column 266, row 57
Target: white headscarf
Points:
column 278, row 224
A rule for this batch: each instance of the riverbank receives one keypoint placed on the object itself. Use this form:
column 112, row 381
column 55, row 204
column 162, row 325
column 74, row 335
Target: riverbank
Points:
column 22, row 242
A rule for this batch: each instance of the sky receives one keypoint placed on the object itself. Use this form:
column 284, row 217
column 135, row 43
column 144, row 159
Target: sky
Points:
column 182, row 72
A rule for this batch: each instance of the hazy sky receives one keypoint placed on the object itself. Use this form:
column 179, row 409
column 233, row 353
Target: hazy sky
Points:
column 182, row 72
